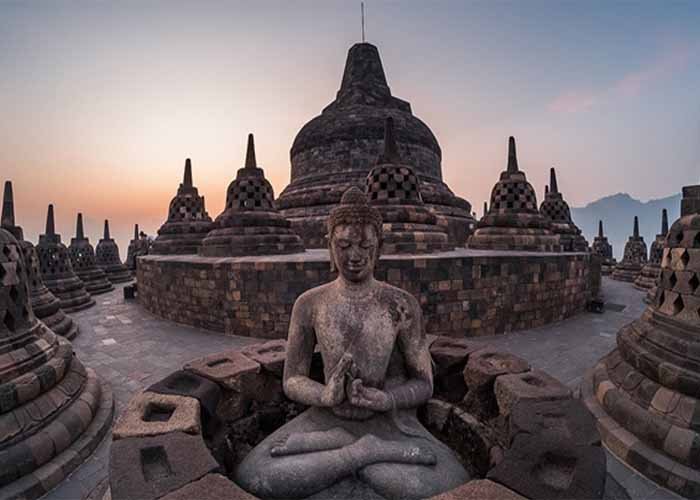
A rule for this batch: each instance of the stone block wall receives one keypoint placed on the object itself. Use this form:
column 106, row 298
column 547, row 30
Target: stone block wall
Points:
column 462, row 293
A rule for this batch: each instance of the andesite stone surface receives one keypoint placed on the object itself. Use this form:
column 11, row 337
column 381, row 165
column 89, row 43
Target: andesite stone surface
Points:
column 45, row 304
column 646, row 393
column 652, row 269
column 338, row 148
column 250, row 223
column 188, row 221
column 555, row 208
column 602, row 247
column 513, row 221
column 82, row 257
column 53, row 410
column 57, row 270
column 634, row 258
column 394, row 190
column 107, row 258
column 140, row 245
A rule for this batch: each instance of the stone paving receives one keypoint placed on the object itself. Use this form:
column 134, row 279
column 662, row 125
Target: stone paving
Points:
column 131, row 349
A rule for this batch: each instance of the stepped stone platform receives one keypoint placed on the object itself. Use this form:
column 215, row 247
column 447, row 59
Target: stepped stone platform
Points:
column 462, row 292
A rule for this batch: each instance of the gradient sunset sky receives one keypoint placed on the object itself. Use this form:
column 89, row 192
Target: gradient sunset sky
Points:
column 102, row 101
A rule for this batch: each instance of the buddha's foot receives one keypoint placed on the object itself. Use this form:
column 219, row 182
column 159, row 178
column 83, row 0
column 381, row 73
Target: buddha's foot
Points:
column 309, row 442
column 374, row 450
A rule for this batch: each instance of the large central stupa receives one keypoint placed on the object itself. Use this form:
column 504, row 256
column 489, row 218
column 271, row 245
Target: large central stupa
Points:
column 338, row 148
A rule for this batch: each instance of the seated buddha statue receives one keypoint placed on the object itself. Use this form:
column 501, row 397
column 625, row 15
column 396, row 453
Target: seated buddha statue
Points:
column 360, row 438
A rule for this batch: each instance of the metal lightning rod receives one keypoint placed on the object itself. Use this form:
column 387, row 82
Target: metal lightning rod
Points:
column 362, row 10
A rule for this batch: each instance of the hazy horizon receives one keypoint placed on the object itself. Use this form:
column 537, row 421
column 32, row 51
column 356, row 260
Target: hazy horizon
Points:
column 104, row 101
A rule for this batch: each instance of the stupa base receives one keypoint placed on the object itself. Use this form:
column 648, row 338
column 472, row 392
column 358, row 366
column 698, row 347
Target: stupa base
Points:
column 118, row 275
column 626, row 273
column 513, row 239
column 618, row 412
column 647, row 277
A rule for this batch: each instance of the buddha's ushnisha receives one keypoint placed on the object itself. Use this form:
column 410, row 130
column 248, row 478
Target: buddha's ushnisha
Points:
column 361, row 430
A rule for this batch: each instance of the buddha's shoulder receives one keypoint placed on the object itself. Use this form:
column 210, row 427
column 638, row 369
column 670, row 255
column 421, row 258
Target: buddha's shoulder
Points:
column 313, row 296
column 392, row 294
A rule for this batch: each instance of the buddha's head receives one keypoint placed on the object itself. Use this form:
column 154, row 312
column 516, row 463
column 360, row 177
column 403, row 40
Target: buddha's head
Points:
column 354, row 237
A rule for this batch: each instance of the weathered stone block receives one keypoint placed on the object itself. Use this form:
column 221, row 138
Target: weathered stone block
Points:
column 534, row 385
column 182, row 383
column 210, row 487
column 569, row 417
column 479, row 489
column 150, row 414
column 270, row 355
column 230, row 369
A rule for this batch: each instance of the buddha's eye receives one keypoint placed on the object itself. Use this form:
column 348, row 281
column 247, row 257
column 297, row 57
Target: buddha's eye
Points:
column 343, row 243
column 366, row 244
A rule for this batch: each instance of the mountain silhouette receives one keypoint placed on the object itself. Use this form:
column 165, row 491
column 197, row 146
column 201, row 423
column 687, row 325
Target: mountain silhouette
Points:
column 617, row 212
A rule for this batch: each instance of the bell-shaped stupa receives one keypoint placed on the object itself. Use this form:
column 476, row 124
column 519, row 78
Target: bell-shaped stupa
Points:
column 650, row 272
column 188, row 221
column 133, row 250
column 513, row 221
column 82, row 257
column 53, row 411
column 646, row 393
column 555, row 208
column 634, row 258
column 44, row 303
column 338, row 148
column 602, row 247
column 395, row 191
column 107, row 258
column 250, row 224
column 57, row 270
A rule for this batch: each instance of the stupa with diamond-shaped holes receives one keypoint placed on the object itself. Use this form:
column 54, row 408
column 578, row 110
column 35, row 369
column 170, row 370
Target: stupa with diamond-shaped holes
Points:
column 634, row 258
column 82, row 257
column 107, row 258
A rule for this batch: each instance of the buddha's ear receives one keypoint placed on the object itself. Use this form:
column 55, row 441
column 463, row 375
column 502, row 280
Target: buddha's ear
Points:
column 330, row 254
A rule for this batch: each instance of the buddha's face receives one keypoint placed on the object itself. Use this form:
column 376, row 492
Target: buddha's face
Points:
column 354, row 249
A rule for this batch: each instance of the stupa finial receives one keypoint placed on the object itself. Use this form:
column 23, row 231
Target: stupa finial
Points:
column 187, row 179
column 50, row 225
column 136, row 231
column 391, row 149
column 553, row 181
column 546, row 190
column 79, row 233
column 664, row 222
column 486, row 208
column 8, row 206
column 600, row 229
column 635, row 234
column 250, row 161
column 512, row 156
column 106, row 234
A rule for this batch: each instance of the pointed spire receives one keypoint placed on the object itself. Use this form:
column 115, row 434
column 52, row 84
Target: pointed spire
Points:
column 635, row 234
column 486, row 208
column 136, row 231
column 391, row 149
column 250, row 161
column 546, row 190
column 512, row 156
column 553, row 181
column 79, row 233
column 600, row 229
column 187, row 179
column 8, row 206
column 50, row 225
column 106, row 235
column 664, row 222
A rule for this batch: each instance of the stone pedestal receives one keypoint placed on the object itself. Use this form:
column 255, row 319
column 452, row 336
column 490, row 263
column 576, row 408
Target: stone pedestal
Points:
column 646, row 393
column 107, row 258
column 250, row 224
column 54, row 410
column 634, row 258
column 57, row 270
column 513, row 221
column 338, row 148
column 82, row 258
column 188, row 221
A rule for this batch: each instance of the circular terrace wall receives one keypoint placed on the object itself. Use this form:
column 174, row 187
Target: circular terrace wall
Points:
column 462, row 292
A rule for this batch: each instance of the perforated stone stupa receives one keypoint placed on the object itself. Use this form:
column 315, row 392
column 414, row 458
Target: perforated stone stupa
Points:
column 45, row 305
column 602, row 247
column 57, row 270
column 250, row 223
column 395, row 190
column 652, row 269
column 107, row 258
column 555, row 208
column 188, row 221
column 633, row 259
column 646, row 393
column 82, row 257
column 53, row 411
column 338, row 148
column 513, row 221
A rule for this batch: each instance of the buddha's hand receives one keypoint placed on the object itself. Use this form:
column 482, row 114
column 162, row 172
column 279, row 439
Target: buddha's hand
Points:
column 369, row 397
column 334, row 390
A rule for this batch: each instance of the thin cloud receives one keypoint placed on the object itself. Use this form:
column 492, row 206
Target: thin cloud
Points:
column 630, row 85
